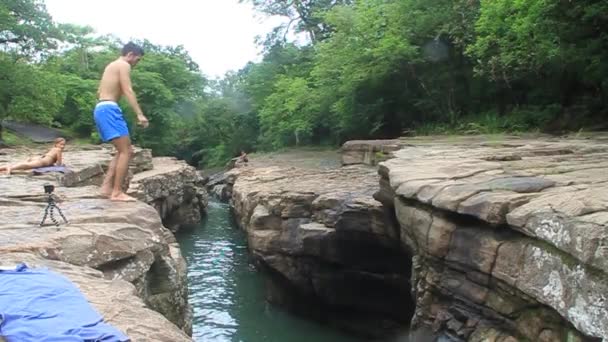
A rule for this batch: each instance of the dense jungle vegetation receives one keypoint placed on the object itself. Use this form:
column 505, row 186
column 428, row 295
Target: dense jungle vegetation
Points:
column 367, row 69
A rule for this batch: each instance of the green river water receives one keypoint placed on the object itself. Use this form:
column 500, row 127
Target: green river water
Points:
column 227, row 293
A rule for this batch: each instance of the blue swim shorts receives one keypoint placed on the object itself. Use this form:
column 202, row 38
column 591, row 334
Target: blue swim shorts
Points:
column 109, row 121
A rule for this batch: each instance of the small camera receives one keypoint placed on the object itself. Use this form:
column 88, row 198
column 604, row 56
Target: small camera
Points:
column 49, row 188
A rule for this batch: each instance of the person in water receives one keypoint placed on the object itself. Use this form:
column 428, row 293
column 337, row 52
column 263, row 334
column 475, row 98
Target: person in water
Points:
column 53, row 157
column 109, row 120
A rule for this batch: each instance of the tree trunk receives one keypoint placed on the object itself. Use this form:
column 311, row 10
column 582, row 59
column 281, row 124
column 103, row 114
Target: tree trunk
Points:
column 501, row 100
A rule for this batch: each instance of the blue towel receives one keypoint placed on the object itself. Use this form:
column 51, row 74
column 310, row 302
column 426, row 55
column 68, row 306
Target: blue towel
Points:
column 39, row 305
column 45, row 169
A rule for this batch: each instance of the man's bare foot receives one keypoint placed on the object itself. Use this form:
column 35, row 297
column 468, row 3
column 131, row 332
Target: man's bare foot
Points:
column 122, row 197
column 8, row 170
column 105, row 191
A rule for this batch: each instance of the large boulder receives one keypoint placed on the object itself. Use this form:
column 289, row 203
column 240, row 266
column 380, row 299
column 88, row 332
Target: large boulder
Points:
column 507, row 236
column 175, row 189
column 369, row 152
column 36, row 133
column 220, row 184
column 87, row 165
column 329, row 248
column 123, row 241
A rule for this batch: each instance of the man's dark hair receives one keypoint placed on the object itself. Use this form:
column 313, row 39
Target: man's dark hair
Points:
column 132, row 47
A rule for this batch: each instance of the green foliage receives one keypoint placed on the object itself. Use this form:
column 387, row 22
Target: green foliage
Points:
column 35, row 95
column 289, row 114
column 519, row 121
column 80, row 99
column 508, row 30
column 553, row 44
column 94, row 138
column 368, row 45
column 305, row 16
column 26, row 27
column 369, row 69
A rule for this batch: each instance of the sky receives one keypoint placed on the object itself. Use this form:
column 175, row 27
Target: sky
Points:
column 218, row 34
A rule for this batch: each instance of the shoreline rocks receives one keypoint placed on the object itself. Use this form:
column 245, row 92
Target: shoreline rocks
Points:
column 507, row 236
column 174, row 189
column 124, row 243
column 329, row 248
column 504, row 238
column 368, row 152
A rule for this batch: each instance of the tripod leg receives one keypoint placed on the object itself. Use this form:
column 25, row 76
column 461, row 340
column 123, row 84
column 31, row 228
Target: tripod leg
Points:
column 53, row 216
column 61, row 213
column 46, row 212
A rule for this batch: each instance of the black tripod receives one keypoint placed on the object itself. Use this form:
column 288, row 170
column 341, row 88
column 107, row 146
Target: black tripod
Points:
column 50, row 207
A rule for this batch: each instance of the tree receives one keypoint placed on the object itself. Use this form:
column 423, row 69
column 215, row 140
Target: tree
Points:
column 35, row 95
column 370, row 43
column 26, row 27
column 527, row 40
column 80, row 40
column 304, row 16
column 290, row 113
column 370, row 69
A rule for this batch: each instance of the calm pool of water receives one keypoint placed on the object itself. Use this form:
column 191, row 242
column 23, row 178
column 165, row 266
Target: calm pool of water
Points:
column 227, row 293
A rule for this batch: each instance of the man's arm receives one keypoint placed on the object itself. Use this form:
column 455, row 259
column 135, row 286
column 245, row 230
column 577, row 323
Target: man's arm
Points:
column 59, row 158
column 126, row 88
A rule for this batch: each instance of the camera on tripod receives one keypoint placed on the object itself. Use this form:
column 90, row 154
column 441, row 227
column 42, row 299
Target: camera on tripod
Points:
column 49, row 188
column 51, row 206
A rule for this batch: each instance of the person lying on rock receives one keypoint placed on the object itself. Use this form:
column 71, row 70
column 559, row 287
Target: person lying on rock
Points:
column 243, row 157
column 236, row 161
column 53, row 157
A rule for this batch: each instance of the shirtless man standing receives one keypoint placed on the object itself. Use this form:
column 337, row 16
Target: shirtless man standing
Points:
column 111, row 125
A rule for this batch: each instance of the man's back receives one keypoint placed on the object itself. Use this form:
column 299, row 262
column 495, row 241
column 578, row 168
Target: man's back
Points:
column 110, row 87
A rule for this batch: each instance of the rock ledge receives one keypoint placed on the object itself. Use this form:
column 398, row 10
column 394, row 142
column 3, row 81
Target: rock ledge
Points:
column 120, row 255
column 509, row 236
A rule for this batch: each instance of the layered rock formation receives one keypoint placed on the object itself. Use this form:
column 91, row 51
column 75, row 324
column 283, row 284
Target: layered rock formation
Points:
column 368, row 152
column 88, row 165
column 509, row 236
column 220, row 184
column 120, row 242
column 171, row 186
column 116, row 300
column 175, row 189
column 505, row 239
column 330, row 249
